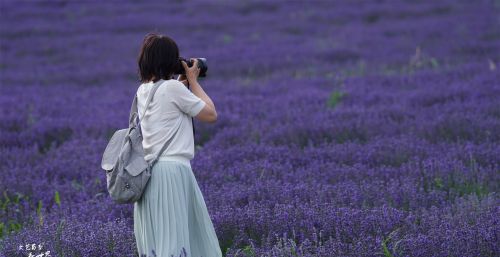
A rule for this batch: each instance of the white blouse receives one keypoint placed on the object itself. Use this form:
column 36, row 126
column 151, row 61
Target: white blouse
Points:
column 171, row 109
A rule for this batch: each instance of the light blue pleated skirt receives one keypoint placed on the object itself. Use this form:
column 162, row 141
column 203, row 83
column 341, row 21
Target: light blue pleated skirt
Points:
column 172, row 215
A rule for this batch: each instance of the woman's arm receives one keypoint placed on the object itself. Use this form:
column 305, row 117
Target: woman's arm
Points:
column 208, row 113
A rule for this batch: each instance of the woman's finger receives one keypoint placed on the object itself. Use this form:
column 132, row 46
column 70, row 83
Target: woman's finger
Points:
column 195, row 62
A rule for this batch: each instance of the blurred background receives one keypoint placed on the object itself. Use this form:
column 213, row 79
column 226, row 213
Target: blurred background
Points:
column 346, row 128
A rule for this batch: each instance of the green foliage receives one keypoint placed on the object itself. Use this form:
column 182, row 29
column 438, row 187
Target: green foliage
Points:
column 456, row 185
column 11, row 226
column 420, row 61
column 385, row 241
column 76, row 185
column 226, row 38
column 58, row 241
column 14, row 226
column 11, row 204
column 438, row 183
column 111, row 243
column 6, row 202
column 57, row 199
column 227, row 241
column 38, row 212
column 248, row 250
column 39, row 207
column 294, row 252
column 335, row 98
column 434, row 63
column 387, row 253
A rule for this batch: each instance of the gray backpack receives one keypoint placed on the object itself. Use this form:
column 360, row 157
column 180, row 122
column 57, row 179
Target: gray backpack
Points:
column 127, row 172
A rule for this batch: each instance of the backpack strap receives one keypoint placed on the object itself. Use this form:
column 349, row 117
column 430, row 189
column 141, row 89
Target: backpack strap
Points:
column 134, row 111
column 153, row 161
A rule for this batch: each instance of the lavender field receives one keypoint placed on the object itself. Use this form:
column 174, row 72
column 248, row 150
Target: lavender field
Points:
column 345, row 128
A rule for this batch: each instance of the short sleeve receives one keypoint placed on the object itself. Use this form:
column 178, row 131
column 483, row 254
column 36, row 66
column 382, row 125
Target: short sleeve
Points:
column 185, row 100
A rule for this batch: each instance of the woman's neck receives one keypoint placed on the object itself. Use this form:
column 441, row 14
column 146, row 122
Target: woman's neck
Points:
column 153, row 79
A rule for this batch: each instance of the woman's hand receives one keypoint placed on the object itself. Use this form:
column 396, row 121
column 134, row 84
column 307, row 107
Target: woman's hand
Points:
column 182, row 78
column 193, row 71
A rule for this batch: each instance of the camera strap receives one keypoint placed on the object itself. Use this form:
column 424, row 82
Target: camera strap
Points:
column 192, row 119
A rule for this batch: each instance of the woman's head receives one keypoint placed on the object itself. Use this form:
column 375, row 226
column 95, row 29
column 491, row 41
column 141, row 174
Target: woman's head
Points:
column 158, row 58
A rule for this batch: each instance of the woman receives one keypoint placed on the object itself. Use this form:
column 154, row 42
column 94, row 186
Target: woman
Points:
column 171, row 214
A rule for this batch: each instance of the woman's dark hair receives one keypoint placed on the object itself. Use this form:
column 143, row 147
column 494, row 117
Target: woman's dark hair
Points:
column 159, row 58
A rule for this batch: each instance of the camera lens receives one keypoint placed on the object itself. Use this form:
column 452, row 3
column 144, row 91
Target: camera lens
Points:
column 202, row 64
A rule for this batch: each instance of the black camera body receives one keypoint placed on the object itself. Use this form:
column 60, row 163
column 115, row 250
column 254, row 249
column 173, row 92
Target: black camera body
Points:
column 202, row 64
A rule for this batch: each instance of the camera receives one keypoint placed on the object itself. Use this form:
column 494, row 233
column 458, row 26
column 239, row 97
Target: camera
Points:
column 202, row 64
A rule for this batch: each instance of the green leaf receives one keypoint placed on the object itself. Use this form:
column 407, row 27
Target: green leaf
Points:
column 438, row 182
column 434, row 63
column 335, row 98
column 18, row 197
column 15, row 226
column 39, row 207
column 7, row 200
column 2, row 226
column 6, row 196
column 40, row 218
column 249, row 250
column 387, row 253
column 38, row 212
column 58, row 199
